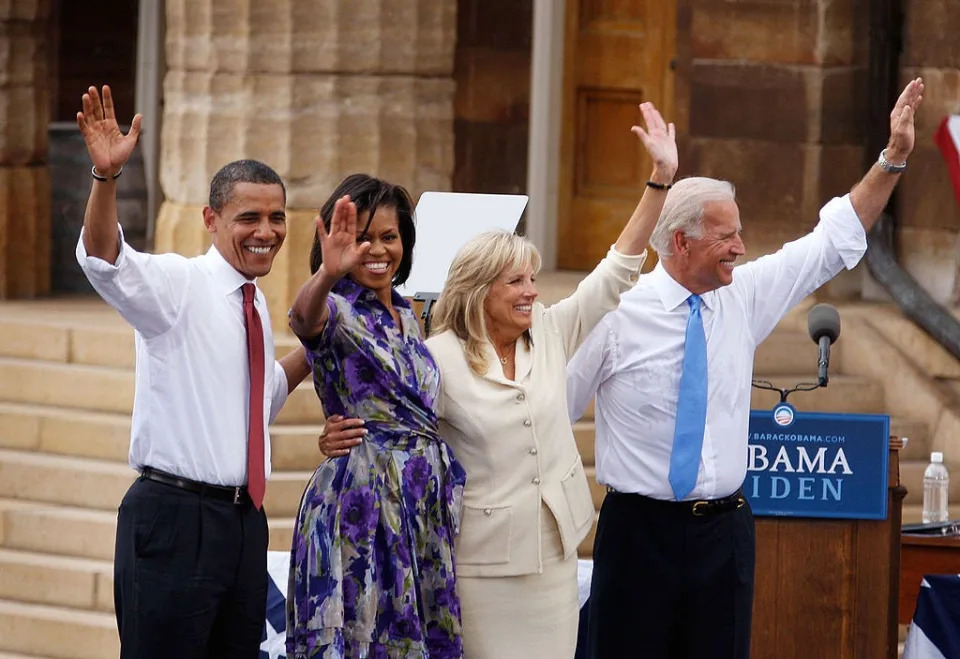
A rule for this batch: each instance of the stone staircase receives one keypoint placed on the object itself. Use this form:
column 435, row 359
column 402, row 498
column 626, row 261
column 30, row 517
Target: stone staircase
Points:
column 66, row 390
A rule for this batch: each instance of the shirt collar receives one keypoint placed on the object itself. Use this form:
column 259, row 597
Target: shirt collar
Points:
column 226, row 278
column 352, row 291
column 672, row 293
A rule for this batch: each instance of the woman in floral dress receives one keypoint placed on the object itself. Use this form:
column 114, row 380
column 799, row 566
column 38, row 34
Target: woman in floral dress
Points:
column 372, row 569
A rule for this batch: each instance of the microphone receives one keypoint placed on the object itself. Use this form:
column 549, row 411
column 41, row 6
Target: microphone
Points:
column 823, row 323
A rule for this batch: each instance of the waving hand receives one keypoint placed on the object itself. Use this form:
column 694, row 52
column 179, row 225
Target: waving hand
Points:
column 341, row 251
column 108, row 147
column 659, row 139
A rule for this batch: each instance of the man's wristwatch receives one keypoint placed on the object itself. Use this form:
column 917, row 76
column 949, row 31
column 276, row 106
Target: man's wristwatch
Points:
column 888, row 166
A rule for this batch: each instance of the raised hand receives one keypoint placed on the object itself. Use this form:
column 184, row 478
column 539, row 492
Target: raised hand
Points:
column 341, row 251
column 660, row 141
column 902, row 135
column 108, row 147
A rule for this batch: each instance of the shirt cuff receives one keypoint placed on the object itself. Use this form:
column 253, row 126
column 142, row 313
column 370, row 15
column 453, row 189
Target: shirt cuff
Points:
column 843, row 227
column 96, row 265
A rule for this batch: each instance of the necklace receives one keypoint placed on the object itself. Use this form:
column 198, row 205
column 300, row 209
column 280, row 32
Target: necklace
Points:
column 503, row 360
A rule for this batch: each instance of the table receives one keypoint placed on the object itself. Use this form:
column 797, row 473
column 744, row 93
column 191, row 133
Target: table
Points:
column 921, row 555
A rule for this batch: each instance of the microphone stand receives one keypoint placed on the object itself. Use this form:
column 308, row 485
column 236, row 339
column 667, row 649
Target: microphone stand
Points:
column 784, row 391
column 428, row 299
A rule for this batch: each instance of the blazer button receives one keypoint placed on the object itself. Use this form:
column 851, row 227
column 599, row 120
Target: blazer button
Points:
column 536, row 481
column 487, row 512
column 526, row 422
column 520, row 397
column 533, row 451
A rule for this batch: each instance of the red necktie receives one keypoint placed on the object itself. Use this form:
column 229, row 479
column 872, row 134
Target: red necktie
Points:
column 256, row 483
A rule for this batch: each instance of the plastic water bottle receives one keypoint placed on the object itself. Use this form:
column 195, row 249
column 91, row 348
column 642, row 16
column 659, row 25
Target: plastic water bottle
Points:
column 936, row 485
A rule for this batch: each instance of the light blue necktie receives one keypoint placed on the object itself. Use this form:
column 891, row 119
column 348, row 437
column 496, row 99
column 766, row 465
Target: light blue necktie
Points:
column 691, row 406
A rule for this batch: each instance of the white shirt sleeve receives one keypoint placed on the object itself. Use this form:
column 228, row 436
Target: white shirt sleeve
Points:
column 775, row 283
column 590, row 366
column 280, row 390
column 598, row 294
column 148, row 290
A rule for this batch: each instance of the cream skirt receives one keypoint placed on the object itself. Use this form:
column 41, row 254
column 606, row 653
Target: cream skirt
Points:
column 525, row 617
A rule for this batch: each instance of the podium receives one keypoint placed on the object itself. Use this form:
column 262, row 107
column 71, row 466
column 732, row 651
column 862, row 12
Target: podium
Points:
column 829, row 587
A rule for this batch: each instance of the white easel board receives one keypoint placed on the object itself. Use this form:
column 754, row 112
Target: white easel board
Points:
column 445, row 222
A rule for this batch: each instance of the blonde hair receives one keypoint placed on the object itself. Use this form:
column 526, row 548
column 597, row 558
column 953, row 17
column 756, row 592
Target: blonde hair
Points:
column 472, row 274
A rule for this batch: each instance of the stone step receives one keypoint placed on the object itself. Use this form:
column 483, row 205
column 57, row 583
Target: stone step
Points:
column 57, row 529
column 911, row 477
column 83, row 533
column 585, row 550
column 584, row 433
column 597, row 491
column 106, row 389
column 57, row 632
column 54, row 479
column 64, row 431
column 95, row 388
column 57, row 479
column 918, row 434
column 106, row 436
column 786, row 352
column 913, row 513
column 294, row 447
column 844, row 394
column 78, row 332
column 56, row 580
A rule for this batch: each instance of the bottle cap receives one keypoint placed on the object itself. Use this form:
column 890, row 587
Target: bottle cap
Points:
column 936, row 456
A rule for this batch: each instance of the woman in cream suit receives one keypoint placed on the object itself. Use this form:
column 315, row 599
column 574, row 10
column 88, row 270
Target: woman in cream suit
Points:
column 502, row 358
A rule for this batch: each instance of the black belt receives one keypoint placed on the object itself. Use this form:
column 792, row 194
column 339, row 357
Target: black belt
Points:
column 235, row 495
column 697, row 508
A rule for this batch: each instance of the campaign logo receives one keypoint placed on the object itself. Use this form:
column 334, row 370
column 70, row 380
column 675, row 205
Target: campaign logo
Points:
column 783, row 415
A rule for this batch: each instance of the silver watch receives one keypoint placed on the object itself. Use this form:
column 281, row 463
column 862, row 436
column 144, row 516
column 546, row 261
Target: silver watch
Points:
column 888, row 166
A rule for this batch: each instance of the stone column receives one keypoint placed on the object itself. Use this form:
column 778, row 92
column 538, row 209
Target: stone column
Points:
column 317, row 90
column 928, row 236
column 24, row 175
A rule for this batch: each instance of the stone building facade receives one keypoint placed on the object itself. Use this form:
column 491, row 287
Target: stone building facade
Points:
column 437, row 94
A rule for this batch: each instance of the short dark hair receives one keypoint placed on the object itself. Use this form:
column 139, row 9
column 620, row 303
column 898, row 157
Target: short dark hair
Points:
column 241, row 171
column 370, row 193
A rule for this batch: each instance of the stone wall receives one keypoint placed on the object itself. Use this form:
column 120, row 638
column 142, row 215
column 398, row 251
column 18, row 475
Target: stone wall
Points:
column 24, row 174
column 927, row 211
column 776, row 94
column 776, row 98
column 317, row 90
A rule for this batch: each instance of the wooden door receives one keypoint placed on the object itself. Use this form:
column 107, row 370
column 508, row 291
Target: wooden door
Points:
column 617, row 54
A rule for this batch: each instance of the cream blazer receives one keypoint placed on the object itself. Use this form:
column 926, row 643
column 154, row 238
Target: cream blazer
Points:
column 514, row 437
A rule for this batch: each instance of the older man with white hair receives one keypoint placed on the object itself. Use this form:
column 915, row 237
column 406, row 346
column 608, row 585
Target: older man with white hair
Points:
column 671, row 371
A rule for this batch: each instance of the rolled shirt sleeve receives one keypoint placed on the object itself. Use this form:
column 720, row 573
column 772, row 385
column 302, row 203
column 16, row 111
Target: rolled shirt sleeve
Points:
column 147, row 289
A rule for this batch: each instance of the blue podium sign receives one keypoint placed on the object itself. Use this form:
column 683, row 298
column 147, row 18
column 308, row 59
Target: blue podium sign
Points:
column 807, row 464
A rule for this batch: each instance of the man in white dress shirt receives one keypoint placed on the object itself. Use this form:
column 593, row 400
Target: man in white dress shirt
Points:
column 190, row 575
column 671, row 371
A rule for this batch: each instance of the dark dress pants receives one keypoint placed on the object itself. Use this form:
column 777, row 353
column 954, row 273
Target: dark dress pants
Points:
column 670, row 585
column 190, row 575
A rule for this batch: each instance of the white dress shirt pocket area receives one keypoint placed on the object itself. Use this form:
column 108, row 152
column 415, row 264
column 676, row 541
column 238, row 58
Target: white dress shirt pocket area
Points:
column 485, row 533
column 577, row 492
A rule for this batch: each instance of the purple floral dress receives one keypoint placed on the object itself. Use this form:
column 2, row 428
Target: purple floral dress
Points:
column 371, row 568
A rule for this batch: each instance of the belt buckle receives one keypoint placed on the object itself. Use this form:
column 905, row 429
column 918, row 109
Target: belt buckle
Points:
column 236, row 496
column 740, row 502
column 700, row 508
